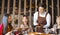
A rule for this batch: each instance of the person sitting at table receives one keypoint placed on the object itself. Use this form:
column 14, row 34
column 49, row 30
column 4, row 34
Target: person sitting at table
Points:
column 42, row 19
column 56, row 26
column 9, row 23
column 24, row 22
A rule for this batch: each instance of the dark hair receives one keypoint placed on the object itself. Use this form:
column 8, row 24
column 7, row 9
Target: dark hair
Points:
column 25, row 16
column 42, row 5
column 7, row 14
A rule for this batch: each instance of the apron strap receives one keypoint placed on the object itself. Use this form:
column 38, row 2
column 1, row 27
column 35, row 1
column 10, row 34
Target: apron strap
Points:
column 46, row 14
column 38, row 13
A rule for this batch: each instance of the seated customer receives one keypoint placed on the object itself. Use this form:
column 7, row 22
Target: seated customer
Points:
column 56, row 26
column 25, row 25
column 9, row 23
column 25, row 22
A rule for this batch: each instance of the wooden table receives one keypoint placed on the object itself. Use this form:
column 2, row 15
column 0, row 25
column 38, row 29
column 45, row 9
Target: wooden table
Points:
column 36, row 33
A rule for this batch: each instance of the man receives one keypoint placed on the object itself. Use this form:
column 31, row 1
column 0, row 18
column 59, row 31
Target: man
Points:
column 42, row 17
column 15, row 18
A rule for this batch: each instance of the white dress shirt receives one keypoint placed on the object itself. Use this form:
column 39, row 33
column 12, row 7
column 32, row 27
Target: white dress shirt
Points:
column 48, row 19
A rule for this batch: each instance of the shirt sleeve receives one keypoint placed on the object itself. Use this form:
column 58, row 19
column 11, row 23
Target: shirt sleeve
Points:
column 48, row 19
column 35, row 19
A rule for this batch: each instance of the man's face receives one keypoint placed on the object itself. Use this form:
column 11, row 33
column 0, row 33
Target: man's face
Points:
column 41, row 9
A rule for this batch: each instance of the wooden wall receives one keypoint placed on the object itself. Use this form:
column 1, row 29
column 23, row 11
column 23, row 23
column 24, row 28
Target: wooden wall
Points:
column 29, row 7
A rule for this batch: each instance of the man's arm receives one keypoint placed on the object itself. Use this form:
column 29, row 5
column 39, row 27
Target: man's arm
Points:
column 48, row 19
column 35, row 18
